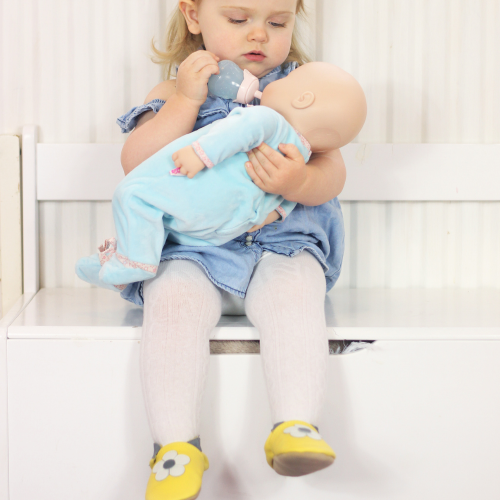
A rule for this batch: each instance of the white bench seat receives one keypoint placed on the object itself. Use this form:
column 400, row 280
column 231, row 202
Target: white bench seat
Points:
column 351, row 314
column 413, row 416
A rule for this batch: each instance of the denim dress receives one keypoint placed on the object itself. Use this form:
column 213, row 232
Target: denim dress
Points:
column 319, row 229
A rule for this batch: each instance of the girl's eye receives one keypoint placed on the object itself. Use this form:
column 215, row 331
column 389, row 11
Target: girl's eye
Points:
column 277, row 25
column 236, row 21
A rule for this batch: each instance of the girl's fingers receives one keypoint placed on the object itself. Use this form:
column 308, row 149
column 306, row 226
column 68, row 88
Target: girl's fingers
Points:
column 291, row 151
column 200, row 64
column 217, row 58
column 259, row 168
column 255, row 178
column 198, row 55
column 263, row 162
column 202, row 59
column 208, row 71
column 268, row 157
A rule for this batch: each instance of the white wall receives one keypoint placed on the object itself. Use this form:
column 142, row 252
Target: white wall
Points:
column 430, row 69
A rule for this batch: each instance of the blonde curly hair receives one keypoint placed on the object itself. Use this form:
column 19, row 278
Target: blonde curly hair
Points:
column 180, row 43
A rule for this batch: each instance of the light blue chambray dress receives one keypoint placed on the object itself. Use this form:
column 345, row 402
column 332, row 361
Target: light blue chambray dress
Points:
column 319, row 230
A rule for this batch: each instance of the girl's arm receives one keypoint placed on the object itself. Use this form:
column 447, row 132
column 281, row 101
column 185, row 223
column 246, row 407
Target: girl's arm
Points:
column 177, row 117
column 325, row 179
column 154, row 131
column 321, row 180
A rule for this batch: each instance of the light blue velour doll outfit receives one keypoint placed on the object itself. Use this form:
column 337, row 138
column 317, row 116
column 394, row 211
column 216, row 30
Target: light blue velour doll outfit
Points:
column 150, row 205
column 318, row 230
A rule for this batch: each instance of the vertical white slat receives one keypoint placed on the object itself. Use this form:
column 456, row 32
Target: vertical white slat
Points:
column 11, row 250
column 4, row 428
column 30, row 211
column 491, row 75
column 490, row 264
column 396, row 235
column 344, row 278
column 50, row 244
column 83, row 78
column 55, row 103
column 435, row 72
column 472, row 232
column 432, row 244
column 70, row 230
column 307, row 28
column 337, row 23
column 455, row 55
column 472, row 75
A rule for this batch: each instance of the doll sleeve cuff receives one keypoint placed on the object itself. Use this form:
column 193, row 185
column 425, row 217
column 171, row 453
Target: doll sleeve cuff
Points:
column 202, row 155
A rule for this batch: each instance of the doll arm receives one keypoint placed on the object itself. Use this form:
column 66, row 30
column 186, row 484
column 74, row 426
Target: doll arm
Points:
column 242, row 130
column 284, row 209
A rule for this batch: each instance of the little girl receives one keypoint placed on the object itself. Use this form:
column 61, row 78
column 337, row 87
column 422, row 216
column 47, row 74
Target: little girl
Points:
column 264, row 273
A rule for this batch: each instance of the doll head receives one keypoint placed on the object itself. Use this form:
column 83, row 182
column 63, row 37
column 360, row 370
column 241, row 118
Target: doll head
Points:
column 323, row 102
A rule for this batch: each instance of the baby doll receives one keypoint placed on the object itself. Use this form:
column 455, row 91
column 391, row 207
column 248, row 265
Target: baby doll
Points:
column 318, row 107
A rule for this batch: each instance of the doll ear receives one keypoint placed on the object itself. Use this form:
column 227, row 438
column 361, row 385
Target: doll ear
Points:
column 304, row 100
column 190, row 12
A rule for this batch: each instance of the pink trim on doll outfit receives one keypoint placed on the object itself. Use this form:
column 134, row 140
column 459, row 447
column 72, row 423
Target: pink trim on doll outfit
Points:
column 106, row 250
column 136, row 265
column 304, row 141
column 281, row 211
column 201, row 154
column 120, row 287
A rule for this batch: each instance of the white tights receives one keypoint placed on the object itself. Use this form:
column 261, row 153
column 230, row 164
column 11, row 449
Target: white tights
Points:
column 285, row 302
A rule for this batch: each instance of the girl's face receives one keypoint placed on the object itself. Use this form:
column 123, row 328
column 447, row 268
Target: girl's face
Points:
column 255, row 34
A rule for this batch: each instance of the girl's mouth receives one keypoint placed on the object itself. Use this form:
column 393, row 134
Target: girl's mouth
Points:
column 255, row 55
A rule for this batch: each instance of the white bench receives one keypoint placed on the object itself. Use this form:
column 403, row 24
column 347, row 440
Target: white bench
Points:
column 413, row 416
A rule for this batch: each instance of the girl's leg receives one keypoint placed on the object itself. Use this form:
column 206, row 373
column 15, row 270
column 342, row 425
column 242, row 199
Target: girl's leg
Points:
column 286, row 303
column 181, row 308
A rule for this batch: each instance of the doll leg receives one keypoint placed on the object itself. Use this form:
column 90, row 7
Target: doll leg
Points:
column 140, row 235
column 286, row 302
column 181, row 308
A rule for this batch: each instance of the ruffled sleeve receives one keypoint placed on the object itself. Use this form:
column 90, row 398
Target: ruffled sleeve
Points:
column 128, row 121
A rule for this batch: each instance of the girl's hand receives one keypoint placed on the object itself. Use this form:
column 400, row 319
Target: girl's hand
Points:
column 269, row 220
column 277, row 174
column 193, row 75
column 187, row 161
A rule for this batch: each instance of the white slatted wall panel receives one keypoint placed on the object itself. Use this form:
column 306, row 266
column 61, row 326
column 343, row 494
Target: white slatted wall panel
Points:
column 430, row 69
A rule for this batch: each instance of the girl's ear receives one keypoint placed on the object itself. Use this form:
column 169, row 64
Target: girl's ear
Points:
column 189, row 10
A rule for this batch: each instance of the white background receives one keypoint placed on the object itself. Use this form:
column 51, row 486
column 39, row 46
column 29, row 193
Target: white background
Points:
column 430, row 70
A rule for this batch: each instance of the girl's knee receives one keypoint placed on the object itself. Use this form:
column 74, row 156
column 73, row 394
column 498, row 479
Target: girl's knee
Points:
column 181, row 283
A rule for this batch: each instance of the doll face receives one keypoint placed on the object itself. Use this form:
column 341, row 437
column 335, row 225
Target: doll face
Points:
column 255, row 34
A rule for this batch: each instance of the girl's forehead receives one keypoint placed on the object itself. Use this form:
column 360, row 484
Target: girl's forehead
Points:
column 278, row 6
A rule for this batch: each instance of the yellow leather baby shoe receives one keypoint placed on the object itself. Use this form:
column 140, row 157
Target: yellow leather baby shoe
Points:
column 177, row 471
column 295, row 448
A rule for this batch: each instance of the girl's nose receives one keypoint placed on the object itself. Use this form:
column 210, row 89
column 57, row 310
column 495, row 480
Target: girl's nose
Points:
column 257, row 34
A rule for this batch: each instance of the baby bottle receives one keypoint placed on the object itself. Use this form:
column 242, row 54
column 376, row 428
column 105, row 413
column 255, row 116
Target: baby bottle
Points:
column 234, row 83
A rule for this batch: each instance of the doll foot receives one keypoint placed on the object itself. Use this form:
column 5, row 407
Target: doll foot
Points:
column 120, row 270
column 177, row 471
column 294, row 448
column 88, row 268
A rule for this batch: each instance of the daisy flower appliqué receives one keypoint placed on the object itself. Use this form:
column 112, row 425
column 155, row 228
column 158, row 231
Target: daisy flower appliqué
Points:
column 300, row 431
column 172, row 464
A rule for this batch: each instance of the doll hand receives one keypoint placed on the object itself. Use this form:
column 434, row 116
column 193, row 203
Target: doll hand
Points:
column 187, row 161
column 269, row 220
column 275, row 173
